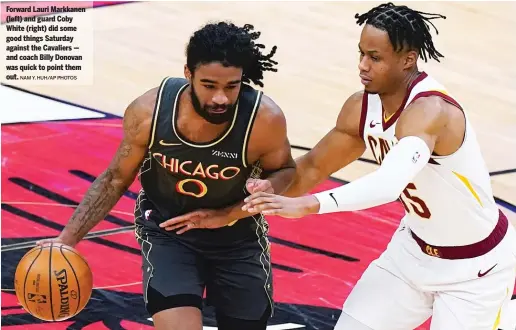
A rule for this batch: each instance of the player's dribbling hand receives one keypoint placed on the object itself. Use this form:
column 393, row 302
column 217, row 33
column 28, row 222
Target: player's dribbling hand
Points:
column 53, row 240
column 270, row 204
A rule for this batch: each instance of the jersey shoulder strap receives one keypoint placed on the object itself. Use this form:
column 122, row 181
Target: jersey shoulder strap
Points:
column 248, row 106
column 166, row 99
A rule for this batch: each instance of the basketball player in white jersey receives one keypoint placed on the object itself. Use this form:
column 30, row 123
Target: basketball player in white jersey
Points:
column 453, row 257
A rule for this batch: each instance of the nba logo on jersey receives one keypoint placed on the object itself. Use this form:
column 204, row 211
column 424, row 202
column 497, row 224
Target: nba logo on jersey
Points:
column 147, row 214
column 416, row 157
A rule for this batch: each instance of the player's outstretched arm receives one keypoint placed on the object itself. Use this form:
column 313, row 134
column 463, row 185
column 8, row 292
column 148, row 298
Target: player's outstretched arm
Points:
column 109, row 186
column 418, row 130
column 337, row 149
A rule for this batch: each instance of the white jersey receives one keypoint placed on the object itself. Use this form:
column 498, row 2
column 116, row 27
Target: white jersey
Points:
column 450, row 202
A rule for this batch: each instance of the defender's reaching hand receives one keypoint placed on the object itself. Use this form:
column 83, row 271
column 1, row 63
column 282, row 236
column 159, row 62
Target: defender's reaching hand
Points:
column 270, row 204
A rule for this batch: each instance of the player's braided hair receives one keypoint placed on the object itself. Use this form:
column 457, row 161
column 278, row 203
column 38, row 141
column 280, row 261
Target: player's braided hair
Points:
column 405, row 26
column 232, row 46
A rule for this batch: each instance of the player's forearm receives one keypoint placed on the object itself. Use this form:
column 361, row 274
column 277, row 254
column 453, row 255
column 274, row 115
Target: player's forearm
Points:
column 302, row 184
column 282, row 179
column 372, row 190
column 307, row 177
column 100, row 198
column 400, row 166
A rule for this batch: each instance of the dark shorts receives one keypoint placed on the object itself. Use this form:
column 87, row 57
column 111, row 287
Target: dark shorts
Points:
column 236, row 273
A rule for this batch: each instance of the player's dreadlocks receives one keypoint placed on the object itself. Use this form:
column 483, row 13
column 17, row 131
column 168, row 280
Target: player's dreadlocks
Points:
column 405, row 26
column 232, row 46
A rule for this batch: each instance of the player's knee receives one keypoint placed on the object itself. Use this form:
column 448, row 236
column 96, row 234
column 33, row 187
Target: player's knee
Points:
column 177, row 312
column 346, row 322
column 178, row 318
column 229, row 323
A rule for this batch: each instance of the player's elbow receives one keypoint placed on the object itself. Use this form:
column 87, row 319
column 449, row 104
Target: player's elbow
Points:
column 115, row 180
column 389, row 195
column 392, row 185
column 399, row 184
column 394, row 194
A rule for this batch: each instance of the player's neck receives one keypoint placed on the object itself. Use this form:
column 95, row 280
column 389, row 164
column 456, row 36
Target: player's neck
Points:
column 392, row 100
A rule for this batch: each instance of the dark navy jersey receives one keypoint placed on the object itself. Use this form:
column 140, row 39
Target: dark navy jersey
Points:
column 179, row 175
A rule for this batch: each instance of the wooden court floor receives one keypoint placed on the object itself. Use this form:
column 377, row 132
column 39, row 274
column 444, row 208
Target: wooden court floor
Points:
column 137, row 44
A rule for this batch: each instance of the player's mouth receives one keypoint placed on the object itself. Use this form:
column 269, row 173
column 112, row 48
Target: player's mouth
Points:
column 365, row 80
column 218, row 110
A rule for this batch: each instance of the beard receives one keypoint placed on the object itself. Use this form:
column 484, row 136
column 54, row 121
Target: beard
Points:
column 204, row 110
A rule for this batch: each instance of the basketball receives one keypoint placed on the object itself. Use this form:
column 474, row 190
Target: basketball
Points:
column 53, row 282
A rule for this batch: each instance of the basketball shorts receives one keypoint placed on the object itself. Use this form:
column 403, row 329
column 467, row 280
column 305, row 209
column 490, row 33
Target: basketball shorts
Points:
column 404, row 287
column 236, row 275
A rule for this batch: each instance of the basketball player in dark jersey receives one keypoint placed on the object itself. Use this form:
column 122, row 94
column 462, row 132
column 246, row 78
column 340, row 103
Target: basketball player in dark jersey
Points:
column 199, row 146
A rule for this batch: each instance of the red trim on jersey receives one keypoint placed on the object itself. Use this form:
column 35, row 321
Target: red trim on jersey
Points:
column 445, row 97
column 363, row 115
column 395, row 116
column 467, row 251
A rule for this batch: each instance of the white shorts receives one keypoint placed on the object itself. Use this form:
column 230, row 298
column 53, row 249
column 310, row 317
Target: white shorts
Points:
column 404, row 287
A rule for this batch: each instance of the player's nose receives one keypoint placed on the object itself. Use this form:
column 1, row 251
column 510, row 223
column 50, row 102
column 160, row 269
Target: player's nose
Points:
column 220, row 98
column 363, row 65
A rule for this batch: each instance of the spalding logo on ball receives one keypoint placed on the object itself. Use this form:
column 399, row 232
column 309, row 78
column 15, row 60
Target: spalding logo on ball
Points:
column 53, row 282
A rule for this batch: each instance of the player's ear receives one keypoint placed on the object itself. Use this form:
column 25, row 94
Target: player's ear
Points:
column 188, row 74
column 410, row 59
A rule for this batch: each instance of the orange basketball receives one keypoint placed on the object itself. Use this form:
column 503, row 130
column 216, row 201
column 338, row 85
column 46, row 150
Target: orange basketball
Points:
column 53, row 282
